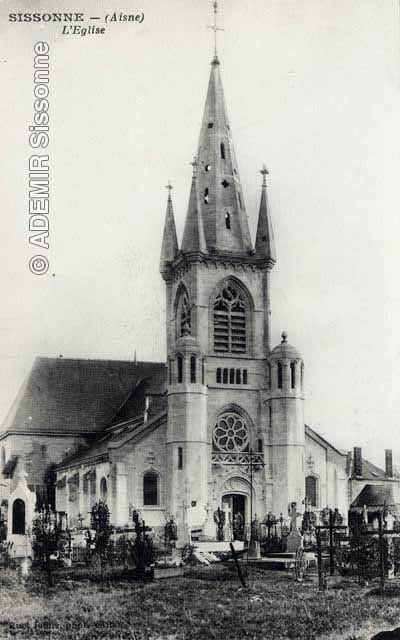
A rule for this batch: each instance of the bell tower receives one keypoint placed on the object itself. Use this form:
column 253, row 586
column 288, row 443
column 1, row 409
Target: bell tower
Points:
column 218, row 317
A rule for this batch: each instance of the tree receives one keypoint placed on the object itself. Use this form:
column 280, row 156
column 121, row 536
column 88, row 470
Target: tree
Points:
column 100, row 523
column 46, row 533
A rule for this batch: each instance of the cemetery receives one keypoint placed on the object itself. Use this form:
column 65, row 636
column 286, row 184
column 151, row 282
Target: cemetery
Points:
column 304, row 581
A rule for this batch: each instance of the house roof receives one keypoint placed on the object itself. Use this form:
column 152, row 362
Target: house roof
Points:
column 113, row 438
column 65, row 395
column 374, row 496
column 371, row 472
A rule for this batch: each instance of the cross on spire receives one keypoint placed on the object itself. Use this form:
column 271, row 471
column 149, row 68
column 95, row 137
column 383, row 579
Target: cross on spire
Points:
column 169, row 187
column 264, row 172
column 215, row 28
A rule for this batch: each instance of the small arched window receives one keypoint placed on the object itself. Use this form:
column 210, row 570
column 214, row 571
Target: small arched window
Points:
column 238, row 377
column 219, row 375
column 230, row 330
column 192, row 368
column 179, row 362
column 311, row 490
column 292, row 375
column 3, row 457
column 225, row 376
column 260, row 445
column 103, row 489
column 227, row 220
column 280, row 375
column 232, row 376
column 150, row 489
column 222, row 151
column 180, row 458
column 18, row 517
column 244, row 376
column 206, row 196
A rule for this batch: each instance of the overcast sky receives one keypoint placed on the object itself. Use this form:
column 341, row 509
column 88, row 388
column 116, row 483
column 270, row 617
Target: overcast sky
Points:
column 312, row 88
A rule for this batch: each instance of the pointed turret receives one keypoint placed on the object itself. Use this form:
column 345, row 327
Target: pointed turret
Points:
column 193, row 234
column 265, row 243
column 169, row 247
column 219, row 192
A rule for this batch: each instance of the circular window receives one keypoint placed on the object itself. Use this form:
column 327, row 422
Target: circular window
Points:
column 231, row 433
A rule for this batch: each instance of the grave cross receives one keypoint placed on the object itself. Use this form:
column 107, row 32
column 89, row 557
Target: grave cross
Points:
column 270, row 521
column 331, row 527
column 142, row 544
column 390, row 533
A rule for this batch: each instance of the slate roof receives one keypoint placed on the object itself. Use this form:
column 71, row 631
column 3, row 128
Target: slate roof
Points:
column 374, row 496
column 114, row 437
column 65, row 395
column 371, row 472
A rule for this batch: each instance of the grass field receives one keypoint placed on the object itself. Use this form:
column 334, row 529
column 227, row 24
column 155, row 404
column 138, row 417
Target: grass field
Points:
column 207, row 603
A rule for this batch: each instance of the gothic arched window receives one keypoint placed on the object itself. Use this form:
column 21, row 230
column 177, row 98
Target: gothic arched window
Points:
column 18, row 517
column 103, row 489
column 230, row 321
column 183, row 313
column 311, row 490
column 231, row 433
column 150, row 489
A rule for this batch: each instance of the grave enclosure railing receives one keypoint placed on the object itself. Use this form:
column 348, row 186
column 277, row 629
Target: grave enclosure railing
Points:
column 359, row 551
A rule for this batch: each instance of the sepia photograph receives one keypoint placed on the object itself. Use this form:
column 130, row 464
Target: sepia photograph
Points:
column 199, row 329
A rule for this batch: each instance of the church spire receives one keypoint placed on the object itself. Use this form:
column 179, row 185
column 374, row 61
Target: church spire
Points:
column 193, row 234
column 169, row 247
column 265, row 243
column 219, row 191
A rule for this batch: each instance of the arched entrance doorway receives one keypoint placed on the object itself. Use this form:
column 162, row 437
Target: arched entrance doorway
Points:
column 234, row 506
column 235, row 499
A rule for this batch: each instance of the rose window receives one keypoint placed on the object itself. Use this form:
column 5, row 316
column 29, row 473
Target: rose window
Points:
column 231, row 433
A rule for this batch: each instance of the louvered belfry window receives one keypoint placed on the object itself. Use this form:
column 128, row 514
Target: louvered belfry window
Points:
column 230, row 321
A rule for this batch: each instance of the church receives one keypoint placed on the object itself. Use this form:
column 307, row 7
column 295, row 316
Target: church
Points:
column 220, row 424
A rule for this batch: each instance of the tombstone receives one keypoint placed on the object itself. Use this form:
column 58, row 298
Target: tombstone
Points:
column 209, row 525
column 254, row 551
column 183, row 535
column 294, row 539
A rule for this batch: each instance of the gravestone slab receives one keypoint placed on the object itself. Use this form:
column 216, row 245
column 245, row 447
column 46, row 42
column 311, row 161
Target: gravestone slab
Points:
column 294, row 539
column 254, row 552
